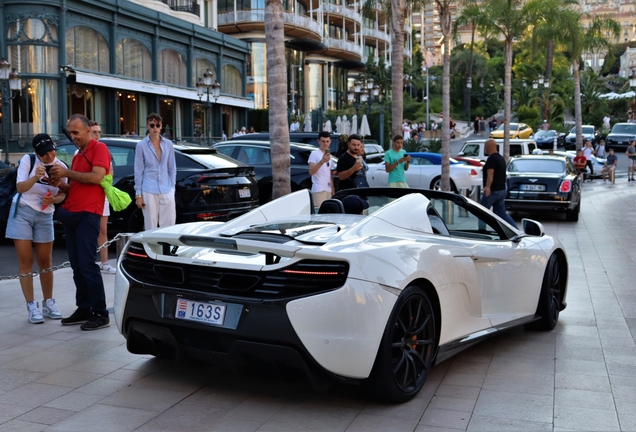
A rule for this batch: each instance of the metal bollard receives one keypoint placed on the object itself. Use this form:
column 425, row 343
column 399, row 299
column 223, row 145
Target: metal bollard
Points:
column 122, row 241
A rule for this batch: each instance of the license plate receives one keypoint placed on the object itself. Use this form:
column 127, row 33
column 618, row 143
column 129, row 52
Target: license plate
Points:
column 245, row 193
column 531, row 187
column 209, row 313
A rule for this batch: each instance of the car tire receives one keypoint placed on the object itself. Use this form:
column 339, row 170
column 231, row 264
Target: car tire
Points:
column 436, row 184
column 552, row 290
column 573, row 215
column 407, row 348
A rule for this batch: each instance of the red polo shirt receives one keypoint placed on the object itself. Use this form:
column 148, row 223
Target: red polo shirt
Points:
column 83, row 196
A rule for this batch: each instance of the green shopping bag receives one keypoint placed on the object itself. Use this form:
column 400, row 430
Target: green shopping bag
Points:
column 118, row 200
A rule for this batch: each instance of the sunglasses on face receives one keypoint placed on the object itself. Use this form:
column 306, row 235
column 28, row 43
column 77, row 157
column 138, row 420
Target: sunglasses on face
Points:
column 154, row 125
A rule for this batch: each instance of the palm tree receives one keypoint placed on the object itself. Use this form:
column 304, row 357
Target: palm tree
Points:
column 548, row 18
column 444, row 10
column 508, row 19
column 597, row 36
column 469, row 16
column 398, row 16
column 277, row 83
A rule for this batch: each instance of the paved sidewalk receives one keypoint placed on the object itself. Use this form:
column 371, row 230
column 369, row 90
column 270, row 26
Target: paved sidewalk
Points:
column 581, row 376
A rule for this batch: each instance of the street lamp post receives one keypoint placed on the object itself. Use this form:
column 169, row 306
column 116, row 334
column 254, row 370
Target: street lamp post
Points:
column 10, row 79
column 632, row 81
column 367, row 93
column 428, row 125
column 209, row 88
column 293, row 88
column 541, row 84
column 469, row 85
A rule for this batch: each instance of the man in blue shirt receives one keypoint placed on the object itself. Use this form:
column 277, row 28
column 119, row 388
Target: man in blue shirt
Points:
column 610, row 165
column 155, row 176
column 396, row 162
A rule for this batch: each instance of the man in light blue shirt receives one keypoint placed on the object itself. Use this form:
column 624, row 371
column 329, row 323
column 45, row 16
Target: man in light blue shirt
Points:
column 155, row 176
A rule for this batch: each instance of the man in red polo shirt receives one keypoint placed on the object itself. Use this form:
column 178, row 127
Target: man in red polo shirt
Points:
column 80, row 216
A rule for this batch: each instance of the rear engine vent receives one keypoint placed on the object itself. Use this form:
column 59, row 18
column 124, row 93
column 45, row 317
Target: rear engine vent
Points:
column 298, row 280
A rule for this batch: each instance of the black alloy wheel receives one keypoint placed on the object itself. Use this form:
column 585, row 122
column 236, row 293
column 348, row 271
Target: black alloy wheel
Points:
column 407, row 349
column 551, row 295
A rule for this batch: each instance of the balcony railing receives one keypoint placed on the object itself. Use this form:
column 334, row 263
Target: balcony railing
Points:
column 342, row 10
column 343, row 45
column 258, row 15
column 190, row 6
column 377, row 34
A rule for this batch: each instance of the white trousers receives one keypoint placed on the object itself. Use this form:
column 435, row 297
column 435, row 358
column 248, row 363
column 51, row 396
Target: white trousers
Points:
column 160, row 210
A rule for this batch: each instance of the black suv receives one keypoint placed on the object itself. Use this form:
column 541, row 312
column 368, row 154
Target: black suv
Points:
column 310, row 138
column 589, row 133
column 210, row 186
column 257, row 154
column 621, row 135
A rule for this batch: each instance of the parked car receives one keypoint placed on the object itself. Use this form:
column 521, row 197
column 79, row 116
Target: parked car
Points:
column 469, row 161
column 475, row 148
column 257, row 155
column 310, row 138
column 517, row 130
column 374, row 300
column 589, row 132
column 541, row 182
column 545, row 138
column 210, row 186
column 597, row 162
column 425, row 172
column 373, row 153
column 621, row 135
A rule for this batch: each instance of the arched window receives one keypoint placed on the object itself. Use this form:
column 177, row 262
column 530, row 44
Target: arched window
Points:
column 200, row 66
column 172, row 68
column 33, row 45
column 232, row 81
column 133, row 59
column 87, row 49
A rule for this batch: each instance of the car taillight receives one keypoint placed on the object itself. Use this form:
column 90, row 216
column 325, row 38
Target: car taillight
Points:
column 566, row 186
column 473, row 172
column 210, row 216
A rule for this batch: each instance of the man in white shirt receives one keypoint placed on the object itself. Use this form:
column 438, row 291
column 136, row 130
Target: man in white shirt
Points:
column 320, row 167
column 606, row 121
column 295, row 126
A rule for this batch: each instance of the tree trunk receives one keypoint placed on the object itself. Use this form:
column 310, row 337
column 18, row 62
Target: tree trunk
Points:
column 578, row 116
column 277, row 84
column 445, row 20
column 397, row 66
column 507, row 97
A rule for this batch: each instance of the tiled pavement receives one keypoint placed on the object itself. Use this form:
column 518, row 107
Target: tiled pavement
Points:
column 581, row 376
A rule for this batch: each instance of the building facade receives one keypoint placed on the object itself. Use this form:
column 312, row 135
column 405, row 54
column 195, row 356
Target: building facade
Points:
column 116, row 61
column 327, row 43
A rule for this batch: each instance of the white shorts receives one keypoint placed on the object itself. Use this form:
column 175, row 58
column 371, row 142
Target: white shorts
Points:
column 106, row 208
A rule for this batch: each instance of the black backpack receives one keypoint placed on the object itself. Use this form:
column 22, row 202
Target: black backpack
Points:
column 8, row 189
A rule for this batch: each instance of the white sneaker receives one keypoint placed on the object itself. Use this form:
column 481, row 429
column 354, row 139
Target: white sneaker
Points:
column 49, row 309
column 35, row 317
column 107, row 268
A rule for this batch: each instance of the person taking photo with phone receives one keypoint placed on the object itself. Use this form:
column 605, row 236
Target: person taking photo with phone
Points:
column 321, row 166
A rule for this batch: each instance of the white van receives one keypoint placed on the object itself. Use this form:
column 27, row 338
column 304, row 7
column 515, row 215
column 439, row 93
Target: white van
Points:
column 475, row 148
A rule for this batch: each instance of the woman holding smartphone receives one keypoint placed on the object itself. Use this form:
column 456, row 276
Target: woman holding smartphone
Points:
column 31, row 223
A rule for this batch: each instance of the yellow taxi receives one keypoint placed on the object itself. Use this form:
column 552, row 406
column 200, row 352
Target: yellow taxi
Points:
column 517, row 130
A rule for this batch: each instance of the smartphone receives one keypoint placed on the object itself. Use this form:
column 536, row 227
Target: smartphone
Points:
column 48, row 170
column 327, row 151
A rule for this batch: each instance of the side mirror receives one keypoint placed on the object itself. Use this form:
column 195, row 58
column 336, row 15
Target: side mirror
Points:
column 461, row 153
column 532, row 227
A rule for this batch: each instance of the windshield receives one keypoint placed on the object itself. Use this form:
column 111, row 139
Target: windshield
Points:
column 629, row 129
column 545, row 134
column 537, row 166
column 513, row 126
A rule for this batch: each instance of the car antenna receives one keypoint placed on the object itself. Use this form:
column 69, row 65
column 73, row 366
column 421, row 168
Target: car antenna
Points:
column 68, row 135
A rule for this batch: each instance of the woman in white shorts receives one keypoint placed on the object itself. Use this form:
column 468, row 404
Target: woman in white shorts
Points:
column 31, row 224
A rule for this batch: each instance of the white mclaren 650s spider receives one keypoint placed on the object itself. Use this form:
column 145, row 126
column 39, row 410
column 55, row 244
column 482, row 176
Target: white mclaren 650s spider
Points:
column 374, row 289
